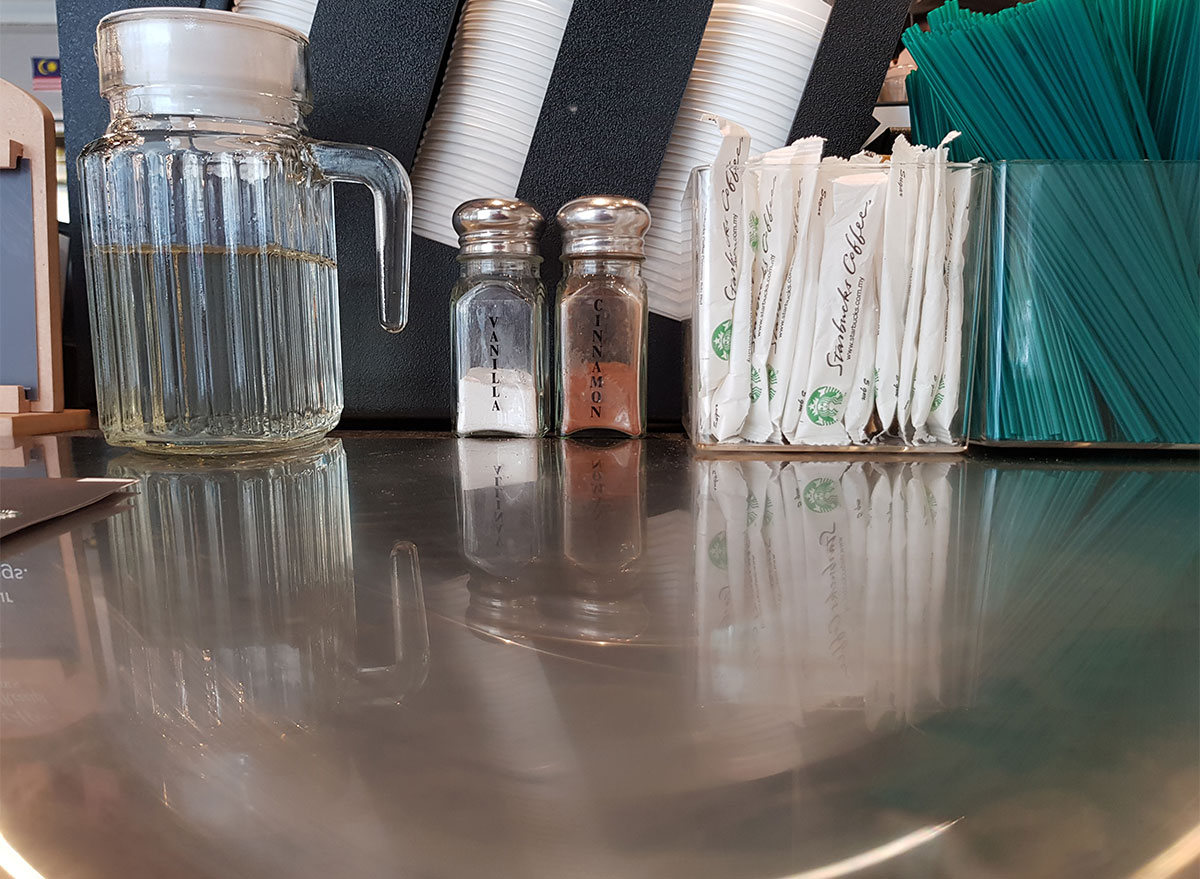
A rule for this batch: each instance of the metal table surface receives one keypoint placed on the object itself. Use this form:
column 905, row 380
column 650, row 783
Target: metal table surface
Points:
column 405, row 655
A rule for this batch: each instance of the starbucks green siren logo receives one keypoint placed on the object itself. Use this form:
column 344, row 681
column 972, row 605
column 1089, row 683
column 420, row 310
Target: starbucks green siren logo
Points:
column 940, row 397
column 718, row 552
column 825, row 405
column 751, row 509
column 755, row 385
column 722, row 339
column 754, row 236
column 772, row 381
column 821, row 496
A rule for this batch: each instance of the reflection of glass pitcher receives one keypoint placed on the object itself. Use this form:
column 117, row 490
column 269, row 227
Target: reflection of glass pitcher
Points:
column 234, row 590
column 209, row 231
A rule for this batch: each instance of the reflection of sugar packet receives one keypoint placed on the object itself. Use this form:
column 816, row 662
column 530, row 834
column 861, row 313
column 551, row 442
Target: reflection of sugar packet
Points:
column 797, row 619
column 773, row 175
column 720, row 266
column 895, row 277
column 879, row 688
column 939, row 493
column 846, row 284
column 787, row 321
column 945, row 402
column 714, row 615
column 732, row 497
column 822, row 562
column 918, row 514
column 760, row 660
column 782, row 594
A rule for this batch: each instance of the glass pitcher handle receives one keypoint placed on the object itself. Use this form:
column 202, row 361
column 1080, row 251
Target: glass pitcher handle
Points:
column 382, row 173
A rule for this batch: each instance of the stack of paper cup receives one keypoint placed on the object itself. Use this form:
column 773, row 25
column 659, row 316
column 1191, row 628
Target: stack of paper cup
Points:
column 477, row 138
column 751, row 68
column 296, row 14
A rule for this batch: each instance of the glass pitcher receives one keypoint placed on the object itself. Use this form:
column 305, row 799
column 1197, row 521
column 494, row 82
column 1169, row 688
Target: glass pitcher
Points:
column 209, row 236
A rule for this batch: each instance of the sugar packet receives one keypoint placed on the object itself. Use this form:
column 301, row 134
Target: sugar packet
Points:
column 731, row 403
column 852, row 233
column 931, row 336
column 787, row 321
column 945, row 401
column 774, row 176
column 720, row 265
column 804, row 299
column 895, row 277
column 928, row 251
column 878, row 669
column 823, row 550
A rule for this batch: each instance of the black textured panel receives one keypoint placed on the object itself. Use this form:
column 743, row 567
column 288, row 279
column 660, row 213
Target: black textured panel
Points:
column 611, row 104
column 85, row 116
column 374, row 67
column 860, row 41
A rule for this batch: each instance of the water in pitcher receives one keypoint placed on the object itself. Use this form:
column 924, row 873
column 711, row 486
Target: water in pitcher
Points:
column 205, row 343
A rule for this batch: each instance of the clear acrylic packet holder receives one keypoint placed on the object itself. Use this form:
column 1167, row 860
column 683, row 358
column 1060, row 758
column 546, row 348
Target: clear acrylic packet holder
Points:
column 975, row 277
column 1089, row 335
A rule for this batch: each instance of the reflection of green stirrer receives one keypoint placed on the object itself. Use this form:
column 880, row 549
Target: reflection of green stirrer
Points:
column 1101, row 326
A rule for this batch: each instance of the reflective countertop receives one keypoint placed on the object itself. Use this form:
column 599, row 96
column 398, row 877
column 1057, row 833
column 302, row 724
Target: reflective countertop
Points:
column 399, row 655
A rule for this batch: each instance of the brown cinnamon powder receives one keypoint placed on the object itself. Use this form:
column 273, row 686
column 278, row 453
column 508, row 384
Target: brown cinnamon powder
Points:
column 599, row 395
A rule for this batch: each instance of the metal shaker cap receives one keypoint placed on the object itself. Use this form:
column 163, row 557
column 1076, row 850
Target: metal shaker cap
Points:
column 603, row 225
column 497, row 225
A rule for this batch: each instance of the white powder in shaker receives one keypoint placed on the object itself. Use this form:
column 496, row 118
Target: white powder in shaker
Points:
column 497, row 401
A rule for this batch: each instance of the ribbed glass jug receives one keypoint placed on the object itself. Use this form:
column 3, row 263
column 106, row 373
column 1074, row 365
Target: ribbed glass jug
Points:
column 209, row 236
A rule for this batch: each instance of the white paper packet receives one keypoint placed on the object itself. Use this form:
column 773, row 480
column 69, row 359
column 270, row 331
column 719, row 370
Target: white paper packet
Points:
column 926, row 249
column 931, row 337
column 775, row 176
column 804, row 297
column 720, row 264
column 852, row 233
column 861, row 399
column 916, row 289
column 945, row 401
column 896, row 268
column 787, row 321
column 731, row 403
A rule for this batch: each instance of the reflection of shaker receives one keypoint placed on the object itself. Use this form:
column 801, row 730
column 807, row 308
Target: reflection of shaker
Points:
column 604, row 527
column 500, row 504
column 604, row 505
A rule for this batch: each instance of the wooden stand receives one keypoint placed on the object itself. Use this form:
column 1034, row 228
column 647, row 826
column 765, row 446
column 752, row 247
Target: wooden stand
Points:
column 27, row 148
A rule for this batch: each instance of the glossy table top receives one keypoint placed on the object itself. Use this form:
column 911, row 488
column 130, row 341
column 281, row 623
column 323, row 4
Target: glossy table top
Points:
column 409, row 655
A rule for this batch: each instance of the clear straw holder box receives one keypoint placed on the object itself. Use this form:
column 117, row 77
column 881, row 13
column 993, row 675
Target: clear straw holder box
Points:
column 1092, row 329
column 948, row 386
